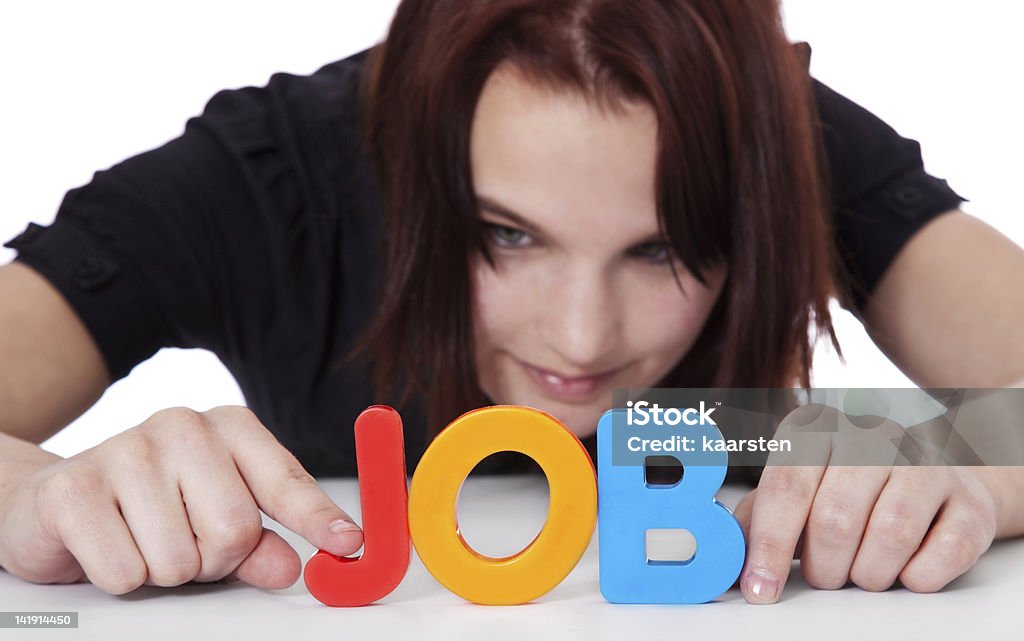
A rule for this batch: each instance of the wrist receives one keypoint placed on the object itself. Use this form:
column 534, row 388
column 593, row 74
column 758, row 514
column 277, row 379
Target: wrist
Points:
column 18, row 460
column 1001, row 482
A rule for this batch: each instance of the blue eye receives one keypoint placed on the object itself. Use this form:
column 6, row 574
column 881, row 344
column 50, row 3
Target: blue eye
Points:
column 653, row 252
column 507, row 237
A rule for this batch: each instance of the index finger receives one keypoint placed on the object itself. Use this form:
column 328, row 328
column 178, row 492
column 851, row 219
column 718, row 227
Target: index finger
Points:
column 783, row 501
column 283, row 489
column 780, row 510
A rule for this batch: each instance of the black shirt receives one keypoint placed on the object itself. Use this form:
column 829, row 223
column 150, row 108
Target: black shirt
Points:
column 255, row 235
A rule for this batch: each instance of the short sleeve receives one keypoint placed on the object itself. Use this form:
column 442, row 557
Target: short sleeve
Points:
column 169, row 248
column 881, row 194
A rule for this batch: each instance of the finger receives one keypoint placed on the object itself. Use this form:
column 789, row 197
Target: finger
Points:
column 742, row 514
column 223, row 514
column 899, row 521
column 91, row 528
column 836, row 523
column 272, row 565
column 283, row 489
column 783, row 501
column 777, row 518
column 151, row 506
column 960, row 535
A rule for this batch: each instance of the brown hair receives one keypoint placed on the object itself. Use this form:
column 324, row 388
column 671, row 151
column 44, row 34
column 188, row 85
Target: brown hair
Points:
column 739, row 175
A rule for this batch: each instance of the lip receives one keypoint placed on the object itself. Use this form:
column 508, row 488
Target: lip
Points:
column 567, row 388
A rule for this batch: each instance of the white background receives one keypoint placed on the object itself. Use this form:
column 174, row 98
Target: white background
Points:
column 85, row 85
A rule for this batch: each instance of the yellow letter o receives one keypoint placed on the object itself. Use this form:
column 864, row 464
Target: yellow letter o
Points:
column 572, row 507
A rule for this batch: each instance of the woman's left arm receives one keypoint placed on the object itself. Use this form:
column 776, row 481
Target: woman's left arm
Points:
column 949, row 312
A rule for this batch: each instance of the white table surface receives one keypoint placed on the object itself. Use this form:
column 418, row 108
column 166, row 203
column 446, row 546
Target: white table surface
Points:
column 498, row 516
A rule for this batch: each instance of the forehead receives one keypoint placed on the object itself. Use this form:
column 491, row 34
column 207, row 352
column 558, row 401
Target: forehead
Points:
column 562, row 161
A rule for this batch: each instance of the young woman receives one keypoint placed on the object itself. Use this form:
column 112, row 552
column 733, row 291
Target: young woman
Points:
column 513, row 202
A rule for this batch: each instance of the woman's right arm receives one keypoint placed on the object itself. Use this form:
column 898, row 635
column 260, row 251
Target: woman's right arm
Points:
column 50, row 368
column 174, row 499
column 167, row 249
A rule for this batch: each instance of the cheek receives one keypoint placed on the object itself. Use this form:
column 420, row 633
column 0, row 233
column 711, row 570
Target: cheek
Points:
column 663, row 322
column 499, row 306
column 501, row 323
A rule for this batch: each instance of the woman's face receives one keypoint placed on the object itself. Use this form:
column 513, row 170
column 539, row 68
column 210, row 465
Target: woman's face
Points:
column 583, row 299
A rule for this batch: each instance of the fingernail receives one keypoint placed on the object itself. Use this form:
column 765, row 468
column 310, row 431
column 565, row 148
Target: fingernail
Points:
column 341, row 525
column 763, row 588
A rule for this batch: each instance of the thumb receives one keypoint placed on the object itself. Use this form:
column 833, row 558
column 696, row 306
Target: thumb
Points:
column 272, row 564
column 743, row 511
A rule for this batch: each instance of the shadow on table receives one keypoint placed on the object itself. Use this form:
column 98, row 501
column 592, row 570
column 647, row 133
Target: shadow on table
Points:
column 796, row 587
column 975, row 578
column 147, row 592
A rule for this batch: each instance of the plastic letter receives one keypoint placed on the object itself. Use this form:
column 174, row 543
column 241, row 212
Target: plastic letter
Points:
column 566, row 533
column 380, row 455
column 628, row 507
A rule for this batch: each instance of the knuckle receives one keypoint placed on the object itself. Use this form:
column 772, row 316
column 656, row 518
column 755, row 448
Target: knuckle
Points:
column 834, row 522
column 917, row 580
column 296, row 475
column 326, row 512
column 236, row 538
column 871, row 583
column 234, row 415
column 174, row 572
column 891, row 529
column 136, row 452
column 299, row 483
column 181, row 428
column 767, row 551
column 57, row 489
column 67, row 489
column 186, row 422
column 173, row 416
column 185, row 430
column 785, row 485
column 123, row 580
column 822, row 579
column 192, row 435
column 958, row 546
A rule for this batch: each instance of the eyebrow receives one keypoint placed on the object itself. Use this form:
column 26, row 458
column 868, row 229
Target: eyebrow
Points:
column 493, row 206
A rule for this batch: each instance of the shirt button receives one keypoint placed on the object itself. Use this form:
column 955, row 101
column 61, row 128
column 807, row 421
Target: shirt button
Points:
column 93, row 272
column 908, row 196
column 907, row 200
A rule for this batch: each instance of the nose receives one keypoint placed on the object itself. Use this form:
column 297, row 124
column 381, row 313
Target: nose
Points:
column 584, row 320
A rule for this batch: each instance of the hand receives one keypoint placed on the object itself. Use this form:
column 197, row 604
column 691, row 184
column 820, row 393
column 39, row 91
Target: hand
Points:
column 173, row 500
column 869, row 524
